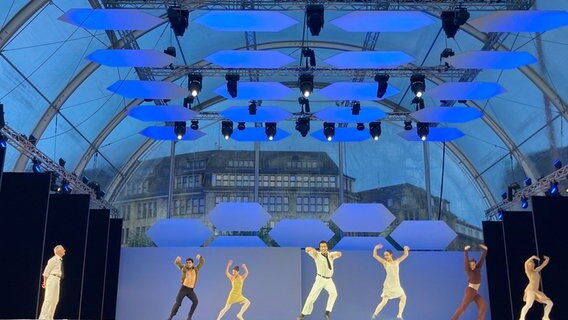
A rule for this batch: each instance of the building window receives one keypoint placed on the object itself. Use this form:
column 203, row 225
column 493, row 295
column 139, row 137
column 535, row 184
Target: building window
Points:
column 275, row 204
column 312, row 204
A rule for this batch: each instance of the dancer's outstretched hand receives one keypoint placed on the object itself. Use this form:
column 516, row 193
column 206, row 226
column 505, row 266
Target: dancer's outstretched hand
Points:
column 484, row 247
column 466, row 248
column 378, row 246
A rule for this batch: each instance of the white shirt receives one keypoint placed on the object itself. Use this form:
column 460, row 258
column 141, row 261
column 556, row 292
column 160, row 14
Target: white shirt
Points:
column 53, row 266
column 321, row 264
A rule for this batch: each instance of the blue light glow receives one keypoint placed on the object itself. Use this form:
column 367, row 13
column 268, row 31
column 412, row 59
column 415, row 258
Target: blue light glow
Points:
column 424, row 234
column 139, row 89
column 465, row 91
column 343, row 135
column 161, row 113
column 447, row 114
column 249, row 59
column 257, row 91
column 178, row 233
column 369, row 59
column 238, row 216
column 344, row 115
column 521, row 21
column 258, row 134
column 362, row 217
column 300, row 232
column 167, row 133
column 437, row 134
column 131, row 58
column 355, row 91
column 383, row 21
column 237, row 241
column 246, row 20
column 111, row 19
column 263, row 114
column 363, row 243
column 491, row 60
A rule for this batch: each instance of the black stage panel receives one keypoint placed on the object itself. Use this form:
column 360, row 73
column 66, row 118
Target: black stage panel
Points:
column 67, row 225
column 95, row 258
column 23, row 209
column 112, row 265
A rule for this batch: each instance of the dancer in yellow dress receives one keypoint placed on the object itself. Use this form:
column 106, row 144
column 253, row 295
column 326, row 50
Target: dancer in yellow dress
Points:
column 236, row 294
column 391, row 287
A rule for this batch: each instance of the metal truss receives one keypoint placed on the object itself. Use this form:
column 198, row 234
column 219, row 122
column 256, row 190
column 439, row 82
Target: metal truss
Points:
column 24, row 146
column 345, row 5
column 178, row 71
column 216, row 116
column 538, row 188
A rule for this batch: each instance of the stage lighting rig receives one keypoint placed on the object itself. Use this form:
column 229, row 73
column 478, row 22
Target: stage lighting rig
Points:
column 227, row 129
column 375, row 130
column 194, row 84
column 232, row 84
column 179, row 20
column 418, row 84
column 306, row 83
column 383, row 84
column 303, row 126
column 315, row 18
column 270, row 130
column 310, row 56
column 180, row 129
column 304, row 104
column 423, row 129
column 329, row 130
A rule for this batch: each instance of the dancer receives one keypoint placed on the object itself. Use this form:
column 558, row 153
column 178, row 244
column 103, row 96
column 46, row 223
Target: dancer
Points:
column 391, row 286
column 236, row 294
column 52, row 276
column 189, row 274
column 532, row 291
column 473, row 271
column 324, row 266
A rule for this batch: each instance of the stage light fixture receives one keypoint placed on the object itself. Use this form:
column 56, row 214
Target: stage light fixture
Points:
column 32, row 139
column 310, row 56
column 554, row 191
column 446, row 53
column 557, row 164
column 270, row 130
column 524, row 202
column 329, row 130
column 252, row 108
column 3, row 141
column 303, row 126
column 227, row 129
column 62, row 162
column 36, row 166
column 241, row 126
column 360, row 126
column 171, row 51
column 356, row 109
column 65, row 187
column 423, row 129
column 382, row 80
column 194, row 83
column 53, row 186
column 179, row 20
column 232, row 84
column 85, row 180
column 188, row 101
column 375, row 130
column 315, row 18
column 407, row 125
column 194, row 125
column 2, row 120
column 527, row 181
column 500, row 214
column 180, row 129
column 306, row 84
column 304, row 104
column 418, row 84
column 453, row 20
column 504, row 196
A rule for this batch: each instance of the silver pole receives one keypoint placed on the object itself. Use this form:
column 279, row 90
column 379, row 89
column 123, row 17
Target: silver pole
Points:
column 427, row 178
column 256, row 169
column 341, row 177
column 171, row 182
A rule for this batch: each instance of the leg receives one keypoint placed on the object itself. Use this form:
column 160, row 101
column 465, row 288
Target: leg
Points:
column 223, row 311
column 547, row 308
column 470, row 293
column 380, row 307
column 332, row 291
column 529, row 300
column 481, row 307
column 314, row 293
column 401, row 305
column 246, row 305
column 193, row 297
column 51, row 298
column 179, row 299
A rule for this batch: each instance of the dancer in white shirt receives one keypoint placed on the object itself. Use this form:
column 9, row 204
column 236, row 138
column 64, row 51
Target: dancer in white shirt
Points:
column 52, row 276
column 391, row 286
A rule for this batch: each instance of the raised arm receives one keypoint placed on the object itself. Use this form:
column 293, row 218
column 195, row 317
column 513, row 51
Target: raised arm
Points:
column 483, row 255
column 466, row 257
column 544, row 264
column 404, row 255
column 312, row 252
column 336, row 254
column 178, row 262
column 201, row 262
column 227, row 273
column 376, row 254
column 246, row 271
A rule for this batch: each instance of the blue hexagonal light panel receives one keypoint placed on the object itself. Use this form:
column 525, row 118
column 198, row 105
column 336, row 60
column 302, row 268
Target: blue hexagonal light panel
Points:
column 258, row 134
column 179, row 233
column 369, row 59
column 261, row 59
column 237, row 242
column 491, row 59
column 521, row 21
column 111, row 19
column 355, row 91
column 246, row 20
column 465, row 91
column 263, row 114
column 256, row 91
column 362, row 217
column 131, row 58
column 447, row 114
column 335, row 114
column 161, row 113
column 239, row 216
column 140, row 89
column 167, row 133
column 363, row 243
column 300, row 233
column 343, row 135
column 383, row 21
column 437, row 134
column 424, row 234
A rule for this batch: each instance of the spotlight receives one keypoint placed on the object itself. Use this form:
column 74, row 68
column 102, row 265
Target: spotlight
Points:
column 382, row 80
column 304, row 104
column 171, row 51
column 36, row 166
column 360, row 126
column 554, row 188
column 179, row 20
column 2, row 121
column 524, row 202
column 557, row 164
column 53, row 186
column 32, row 139
column 375, row 130
column 329, row 130
column 446, row 53
column 418, row 84
column 2, row 141
column 306, row 82
column 252, row 108
column 65, row 187
column 303, row 126
column 419, row 103
column 85, row 180
column 528, row 181
column 408, row 125
column 188, row 101
column 232, row 84
column 62, row 162
column 270, row 130
column 504, row 196
column 423, row 129
column 310, row 55
column 315, row 18
column 179, row 129
column 227, row 129
column 241, row 126
column 452, row 20
column 356, row 109
column 500, row 215
column 194, row 125
column 194, row 84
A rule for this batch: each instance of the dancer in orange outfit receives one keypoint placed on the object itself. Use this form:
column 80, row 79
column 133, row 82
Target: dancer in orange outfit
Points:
column 473, row 271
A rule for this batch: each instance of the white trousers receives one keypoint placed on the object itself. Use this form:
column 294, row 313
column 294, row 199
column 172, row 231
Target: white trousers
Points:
column 319, row 284
column 51, row 298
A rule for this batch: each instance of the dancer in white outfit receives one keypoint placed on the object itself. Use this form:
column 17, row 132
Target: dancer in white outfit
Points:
column 52, row 276
column 391, row 286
